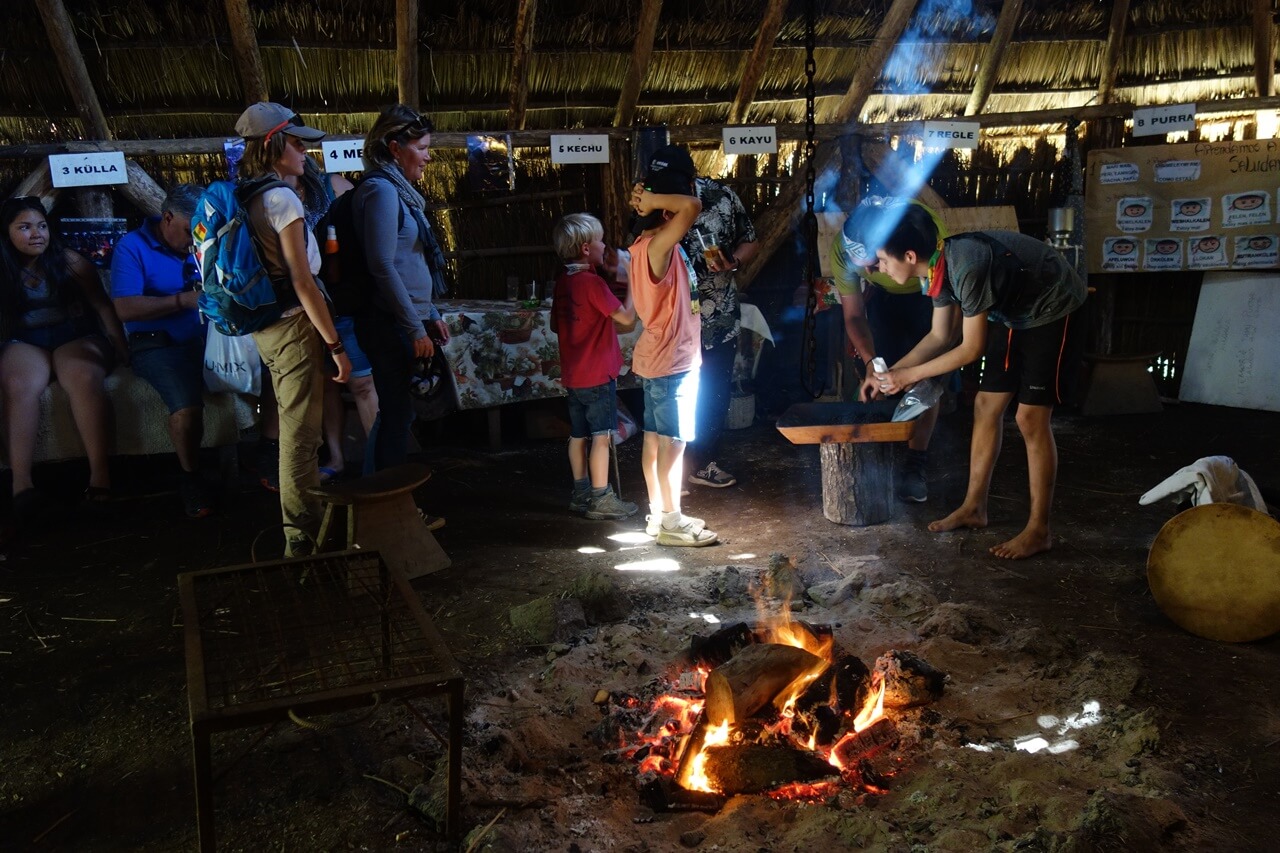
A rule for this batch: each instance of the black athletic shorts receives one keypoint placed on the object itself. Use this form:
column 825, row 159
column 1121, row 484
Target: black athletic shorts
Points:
column 1039, row 364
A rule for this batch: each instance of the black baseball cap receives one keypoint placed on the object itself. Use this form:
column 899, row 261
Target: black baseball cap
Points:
column 675, row 158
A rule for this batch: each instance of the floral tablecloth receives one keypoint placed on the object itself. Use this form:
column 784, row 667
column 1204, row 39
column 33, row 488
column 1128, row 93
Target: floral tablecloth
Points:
column 501, row 352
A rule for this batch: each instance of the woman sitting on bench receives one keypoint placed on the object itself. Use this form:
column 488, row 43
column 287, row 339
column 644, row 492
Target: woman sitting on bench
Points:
column 55, row 323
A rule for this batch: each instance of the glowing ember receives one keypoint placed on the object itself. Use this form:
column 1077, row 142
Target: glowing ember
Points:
column 716, row 736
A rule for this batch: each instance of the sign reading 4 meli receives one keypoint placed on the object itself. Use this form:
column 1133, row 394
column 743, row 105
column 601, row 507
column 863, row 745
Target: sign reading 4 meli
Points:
column 100, row 168
column 344, row 155
column 579, row 148
column 751, row 140
column 951, row 134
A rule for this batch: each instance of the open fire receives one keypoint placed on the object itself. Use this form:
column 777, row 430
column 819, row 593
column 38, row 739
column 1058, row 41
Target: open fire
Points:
column 777, row 709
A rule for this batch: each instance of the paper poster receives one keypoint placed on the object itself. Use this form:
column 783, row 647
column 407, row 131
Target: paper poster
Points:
column 1256, row 251
column 1251, row 208
column 1207, row 253
column 1133, row 214
column 1202, row 194
column 95, row 238
column 1189, row 214
column 1120, row 254
column 1163, row 253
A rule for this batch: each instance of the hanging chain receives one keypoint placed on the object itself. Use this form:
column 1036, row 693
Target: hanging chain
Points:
column 809, row 338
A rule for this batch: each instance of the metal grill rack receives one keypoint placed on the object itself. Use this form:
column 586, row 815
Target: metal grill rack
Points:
column 267, row 642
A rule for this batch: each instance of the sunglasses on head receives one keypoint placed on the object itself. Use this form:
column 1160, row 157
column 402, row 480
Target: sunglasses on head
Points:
column 293, row 121
column 420, row 124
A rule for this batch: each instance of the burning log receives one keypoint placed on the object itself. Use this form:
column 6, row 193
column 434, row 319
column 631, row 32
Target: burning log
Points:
column 748, row 682
column 908, row 680
column 866, row 744
column 845, row 682
column 752, row 768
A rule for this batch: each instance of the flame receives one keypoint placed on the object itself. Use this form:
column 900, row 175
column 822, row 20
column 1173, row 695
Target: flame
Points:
column 873, row 709
column 716, row 736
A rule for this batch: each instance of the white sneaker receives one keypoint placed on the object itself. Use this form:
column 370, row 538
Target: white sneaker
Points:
column 653, row 523
column 692, row 533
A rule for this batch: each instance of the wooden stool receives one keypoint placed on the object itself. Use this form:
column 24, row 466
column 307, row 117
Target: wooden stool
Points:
column 381, row 516
column 1120, row 385
column 856, row 442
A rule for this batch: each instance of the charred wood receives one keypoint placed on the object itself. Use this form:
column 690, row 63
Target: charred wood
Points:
column 909, row 680
column 720, row 646
column 663, row 795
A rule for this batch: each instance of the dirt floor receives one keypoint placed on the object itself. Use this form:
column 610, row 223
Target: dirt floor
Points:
column 1157, row 739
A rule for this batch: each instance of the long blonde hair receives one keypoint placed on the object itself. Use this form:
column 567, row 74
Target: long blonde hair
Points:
column 260, row 156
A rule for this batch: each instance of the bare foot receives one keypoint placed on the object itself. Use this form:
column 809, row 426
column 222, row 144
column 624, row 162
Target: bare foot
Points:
column 965, row 516
column 1028, row 543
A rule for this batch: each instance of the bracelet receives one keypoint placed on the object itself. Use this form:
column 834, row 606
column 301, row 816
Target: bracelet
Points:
column 336, row 349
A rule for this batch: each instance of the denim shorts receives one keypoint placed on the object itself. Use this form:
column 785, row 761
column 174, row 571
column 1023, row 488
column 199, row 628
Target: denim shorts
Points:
column 346, row 327
column 671, row 405
column 175, row 371
column 593, row 411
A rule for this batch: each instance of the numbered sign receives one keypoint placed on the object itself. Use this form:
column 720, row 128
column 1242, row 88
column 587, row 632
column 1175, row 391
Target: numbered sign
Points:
column 951, row 134
column 1157, row 121
column 570, row 148
column 750, row 140
column 88, row 170
column 346, row 155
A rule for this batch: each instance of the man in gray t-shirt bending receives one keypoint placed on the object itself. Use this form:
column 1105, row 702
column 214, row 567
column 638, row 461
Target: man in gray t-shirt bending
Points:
column 1013, row 300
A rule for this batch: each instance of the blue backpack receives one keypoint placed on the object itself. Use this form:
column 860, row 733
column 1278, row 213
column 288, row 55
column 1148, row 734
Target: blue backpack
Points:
column 237, row 294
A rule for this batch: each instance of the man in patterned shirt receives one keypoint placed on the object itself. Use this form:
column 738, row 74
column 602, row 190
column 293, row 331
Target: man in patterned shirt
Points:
column 724, row 225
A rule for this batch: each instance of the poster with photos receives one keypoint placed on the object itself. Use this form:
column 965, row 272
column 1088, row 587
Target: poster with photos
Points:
column 1189, row 206
column 95, row 238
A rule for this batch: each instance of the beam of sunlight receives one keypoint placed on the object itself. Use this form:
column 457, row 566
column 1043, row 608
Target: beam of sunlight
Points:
column 590, row 549
column 742, row 556
column 709, row 618
column 631, row 537
column 658, row 566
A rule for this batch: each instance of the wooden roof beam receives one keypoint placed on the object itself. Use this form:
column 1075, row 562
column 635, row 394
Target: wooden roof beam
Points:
column 244, row 48
column 993, row 56
column 407, row 53
column 62, row 38
column 754, row 63
column 776, row 223
column 641, row 51
column 523, row 44
column 1111, row 53
column 1264, row 48
column 873, row 61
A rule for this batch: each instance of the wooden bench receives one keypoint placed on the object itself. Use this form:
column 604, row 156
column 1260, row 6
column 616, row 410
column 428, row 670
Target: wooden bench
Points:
column 1120, row 385
column 381, row 516
column 856, row 448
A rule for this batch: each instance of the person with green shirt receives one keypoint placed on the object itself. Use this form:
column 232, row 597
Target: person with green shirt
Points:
column 883, row 318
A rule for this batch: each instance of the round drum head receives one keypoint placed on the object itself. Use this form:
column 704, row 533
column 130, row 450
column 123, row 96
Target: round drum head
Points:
column 1215, row 571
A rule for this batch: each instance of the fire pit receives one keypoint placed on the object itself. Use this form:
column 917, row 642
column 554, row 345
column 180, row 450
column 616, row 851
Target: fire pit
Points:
column 775, row 709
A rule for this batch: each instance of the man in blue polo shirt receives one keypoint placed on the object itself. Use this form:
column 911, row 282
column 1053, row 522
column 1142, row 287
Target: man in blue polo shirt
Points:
column 153, row 278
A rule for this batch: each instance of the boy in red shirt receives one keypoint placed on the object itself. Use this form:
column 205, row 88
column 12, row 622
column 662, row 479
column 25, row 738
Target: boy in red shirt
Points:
column 583, row 313
column 669, row 353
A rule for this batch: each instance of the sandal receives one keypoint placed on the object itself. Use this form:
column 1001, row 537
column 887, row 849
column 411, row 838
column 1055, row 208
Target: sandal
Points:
column 331, row 475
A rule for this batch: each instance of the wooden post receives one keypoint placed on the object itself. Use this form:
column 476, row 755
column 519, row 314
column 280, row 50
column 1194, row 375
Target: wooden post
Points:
column 993, row 56
column 141, row 191
column 1111, row 55
column 39, row 183
column 520, row 63
column 407, row 52
column 873, row 61
column 244, row 46
column 753, row 64
column 641, row 51
column 94, row 203
column 1264, row 48
column 62, row 39
column 857, row 482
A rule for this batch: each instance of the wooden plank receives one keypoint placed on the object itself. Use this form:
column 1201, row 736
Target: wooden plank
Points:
column 993, row 56
column 407, row 53
column 520, row 63
column 1264, row 47
column 244, row 46
column 65, row 48
column 842, row 423
column 641, row 52
column 141, row 191
column 998, row 218
column 753, row 64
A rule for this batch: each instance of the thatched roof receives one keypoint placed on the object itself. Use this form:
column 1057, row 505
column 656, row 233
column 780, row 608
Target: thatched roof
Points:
column 165, row 68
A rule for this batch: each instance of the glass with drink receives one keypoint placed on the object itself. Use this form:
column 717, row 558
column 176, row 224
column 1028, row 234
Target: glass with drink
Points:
column 711, row 253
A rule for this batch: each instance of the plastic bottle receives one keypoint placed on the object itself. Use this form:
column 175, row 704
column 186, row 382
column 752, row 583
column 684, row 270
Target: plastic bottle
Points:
column 331, row 253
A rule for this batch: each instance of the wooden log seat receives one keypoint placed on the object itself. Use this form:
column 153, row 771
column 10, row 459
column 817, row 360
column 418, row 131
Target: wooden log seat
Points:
column 856, row 442
column 381, row 516
column 1120, row 385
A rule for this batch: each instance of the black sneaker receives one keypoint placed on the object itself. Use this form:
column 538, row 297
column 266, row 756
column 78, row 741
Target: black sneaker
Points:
column 912, row 485
column 712, row 476
column 196, row 500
